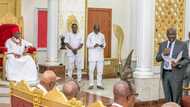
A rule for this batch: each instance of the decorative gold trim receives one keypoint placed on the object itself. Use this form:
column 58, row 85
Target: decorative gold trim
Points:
column 71, row 20
column 86, row 34
column 119, row 34
column 56, row 95
column 18, row 8
column 75, row 103
column 97, row 104
column 54, row 98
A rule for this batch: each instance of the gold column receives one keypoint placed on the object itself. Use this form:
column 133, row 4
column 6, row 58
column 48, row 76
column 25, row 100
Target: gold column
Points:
column 86, row 34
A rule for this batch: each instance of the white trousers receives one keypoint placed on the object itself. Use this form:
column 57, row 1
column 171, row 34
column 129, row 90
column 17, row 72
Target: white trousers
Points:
column 75, row 60
column 99, row 65
column 23, row 68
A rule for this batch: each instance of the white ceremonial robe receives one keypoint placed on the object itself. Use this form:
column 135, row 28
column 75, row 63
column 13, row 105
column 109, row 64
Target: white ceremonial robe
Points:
column 74, row 40
column 23, row 68
column 95, row 56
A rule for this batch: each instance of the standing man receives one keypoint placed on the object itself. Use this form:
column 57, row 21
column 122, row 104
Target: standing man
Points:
column 74, row 44
column 96, row 44
column 171, row 53
column 187, row 63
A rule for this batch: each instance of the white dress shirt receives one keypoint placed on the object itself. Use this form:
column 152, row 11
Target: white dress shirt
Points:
column 169, row 66
column 74, row 40
column 95, row 54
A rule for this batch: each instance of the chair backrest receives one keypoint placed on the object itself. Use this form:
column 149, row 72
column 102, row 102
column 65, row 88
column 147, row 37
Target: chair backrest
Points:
column 6, row 32
column 22, row 94
column 9, row 24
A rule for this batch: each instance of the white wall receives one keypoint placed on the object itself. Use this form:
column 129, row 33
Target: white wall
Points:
column 121, row 15
column 29, row 13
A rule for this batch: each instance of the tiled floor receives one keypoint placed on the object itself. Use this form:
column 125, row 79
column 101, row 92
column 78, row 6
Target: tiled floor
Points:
column 107, row 84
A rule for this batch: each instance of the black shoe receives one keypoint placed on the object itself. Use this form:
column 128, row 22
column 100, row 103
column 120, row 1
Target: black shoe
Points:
column 100, row 87
column 90, row 87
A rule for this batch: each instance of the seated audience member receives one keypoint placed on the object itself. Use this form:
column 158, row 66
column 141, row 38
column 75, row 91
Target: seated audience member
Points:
column 171, row 104
column 71, row 89
column 47, row 81
column 19, row 66
column 123, row 95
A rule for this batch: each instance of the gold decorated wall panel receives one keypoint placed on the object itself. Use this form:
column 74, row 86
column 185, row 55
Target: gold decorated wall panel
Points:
column 168, row 13
column 10, row 7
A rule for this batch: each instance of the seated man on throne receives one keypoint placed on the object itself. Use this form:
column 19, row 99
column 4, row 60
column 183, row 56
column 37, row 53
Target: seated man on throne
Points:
column 19, row 65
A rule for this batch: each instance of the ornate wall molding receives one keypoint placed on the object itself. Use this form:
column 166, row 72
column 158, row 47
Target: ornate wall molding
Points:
column 168, row 13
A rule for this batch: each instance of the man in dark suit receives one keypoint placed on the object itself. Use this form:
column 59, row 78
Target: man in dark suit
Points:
column 171, row 53
column 187, row 63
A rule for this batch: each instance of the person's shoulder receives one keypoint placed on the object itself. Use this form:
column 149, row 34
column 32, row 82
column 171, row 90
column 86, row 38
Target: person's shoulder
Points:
column 8, row 40
column 100, row 33
column 79, row 34
column 69, row 33
column 180, row 42
column 90, row 34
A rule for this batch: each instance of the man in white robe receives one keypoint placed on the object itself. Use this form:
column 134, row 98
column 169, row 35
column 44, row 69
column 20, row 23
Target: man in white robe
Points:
column 74, row 44
column 19, row 66
column 96, row 44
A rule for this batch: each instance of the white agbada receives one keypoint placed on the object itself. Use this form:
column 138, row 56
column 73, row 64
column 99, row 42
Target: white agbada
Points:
column 23, row 68
column 74, row 40
column 95, row 56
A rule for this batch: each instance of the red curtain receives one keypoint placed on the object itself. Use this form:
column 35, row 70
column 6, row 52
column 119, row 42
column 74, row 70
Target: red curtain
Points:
column 42, row 29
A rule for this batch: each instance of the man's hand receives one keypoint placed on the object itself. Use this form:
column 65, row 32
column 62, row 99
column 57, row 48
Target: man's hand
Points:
column 173, row 65
column 96, row 45
column 17, row 55
column 101, row 46
column 166, row 51
column 74, row 51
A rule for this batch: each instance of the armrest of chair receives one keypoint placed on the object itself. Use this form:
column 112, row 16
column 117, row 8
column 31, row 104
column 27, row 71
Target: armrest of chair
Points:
column 32, row 51
column 3, row 57
column 3, row 50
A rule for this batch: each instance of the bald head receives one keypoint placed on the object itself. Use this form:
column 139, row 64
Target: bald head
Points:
column 96, row 28
column 71, row 89
column 48, row 76
column 171, row 34
column 121, row 89
column 171, row 104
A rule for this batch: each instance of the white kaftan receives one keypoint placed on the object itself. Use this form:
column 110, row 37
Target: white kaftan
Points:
column 23, row 68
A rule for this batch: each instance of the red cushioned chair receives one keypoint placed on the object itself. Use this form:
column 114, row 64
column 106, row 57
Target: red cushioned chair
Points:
column 6, row 32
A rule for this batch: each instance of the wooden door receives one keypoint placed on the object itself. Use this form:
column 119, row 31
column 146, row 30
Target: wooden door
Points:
column 104, row 18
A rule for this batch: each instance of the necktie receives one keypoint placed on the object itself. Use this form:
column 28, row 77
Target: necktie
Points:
column 166, row 62
column 170, row 46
